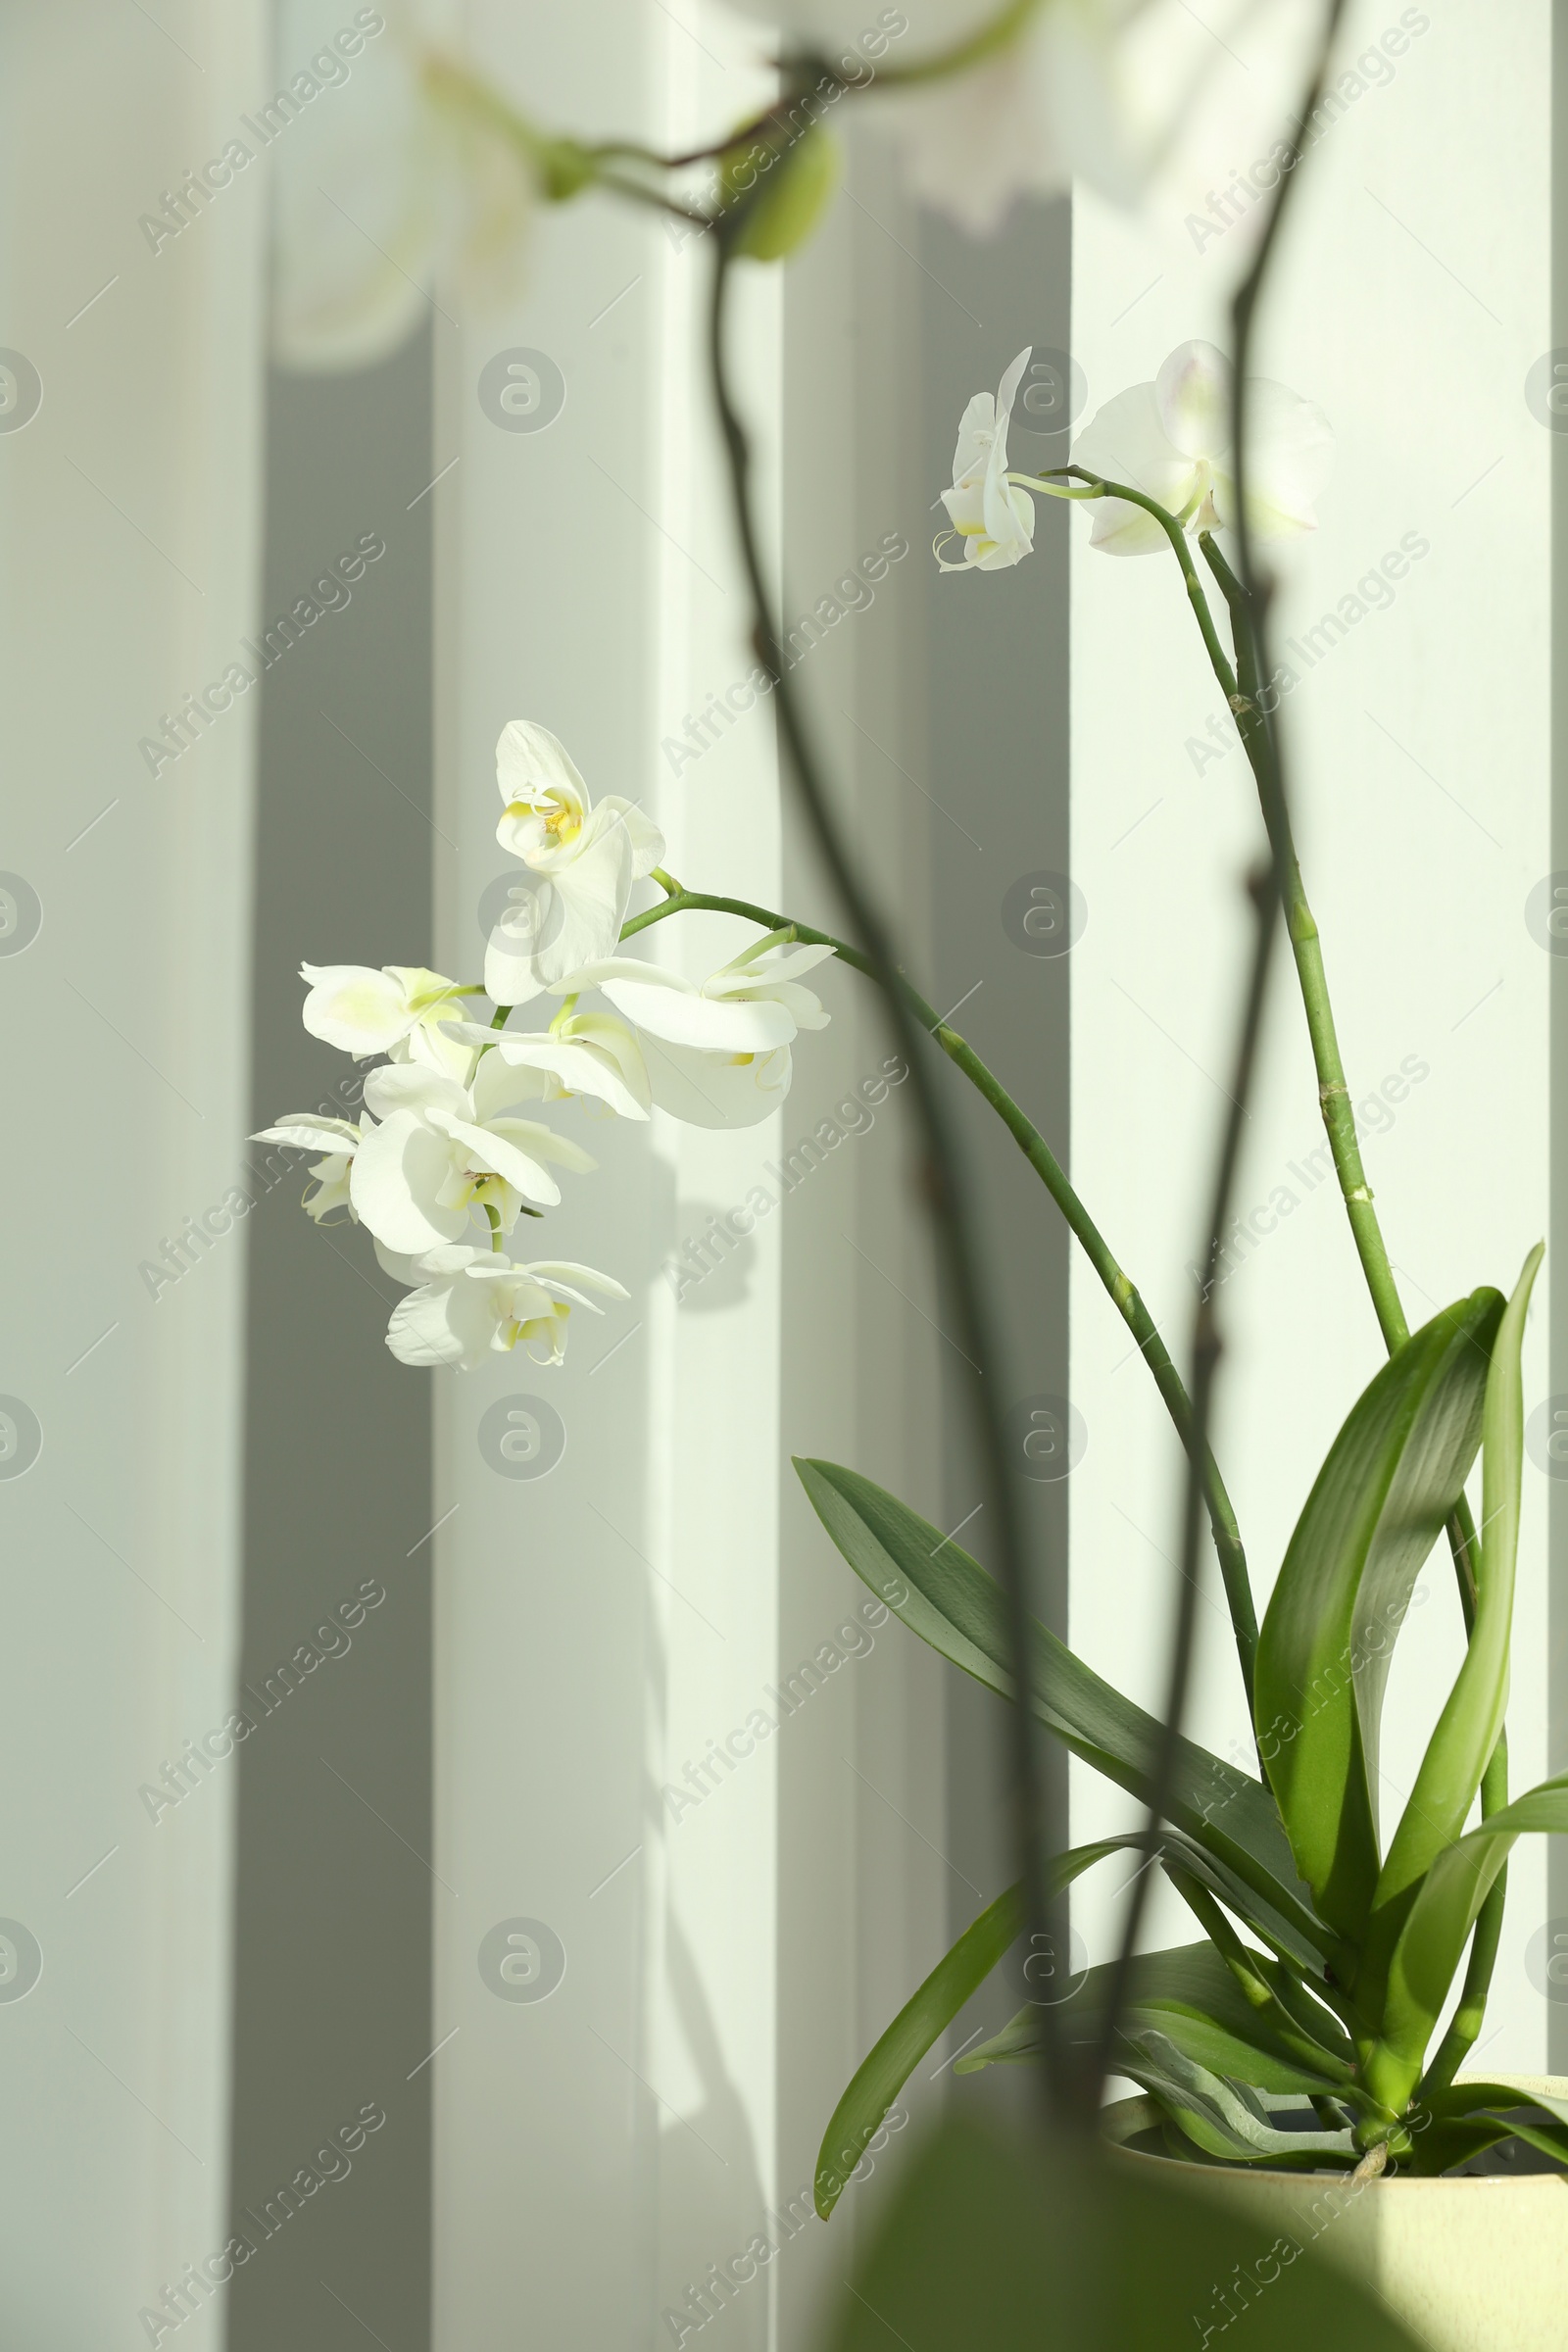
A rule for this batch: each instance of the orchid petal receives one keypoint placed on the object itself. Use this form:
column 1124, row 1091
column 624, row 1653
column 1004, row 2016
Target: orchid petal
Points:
column 1193, row 395
column 397, row 1175
column 718, row 1090
column 535, row 767
column 303, row 1131
column 734, row 1025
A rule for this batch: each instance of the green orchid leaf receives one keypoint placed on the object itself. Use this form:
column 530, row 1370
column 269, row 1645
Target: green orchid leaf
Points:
column 996, row 2245
column 1467, row 2118
column 927, row 2014
column 1476, row 2095
column 1188, row 1995
column 1535, row 2134
column 947, row 1597
column 1534, row 2116
column 1436, row 1924
column 1270, row 1926
column 1225, row 2120
column 931, row 2009
column 1297, row 2020
column 1390, row 1480
column 886, row 2068
column 1445, row 2145
column 1460, row 1747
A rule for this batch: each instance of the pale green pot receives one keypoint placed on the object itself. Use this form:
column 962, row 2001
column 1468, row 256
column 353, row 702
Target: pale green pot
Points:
column 1468, row 2265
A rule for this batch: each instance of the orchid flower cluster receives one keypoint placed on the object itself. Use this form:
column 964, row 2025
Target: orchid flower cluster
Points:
column 449, row 1142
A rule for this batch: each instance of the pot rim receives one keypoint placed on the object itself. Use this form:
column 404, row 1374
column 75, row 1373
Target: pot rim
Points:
column 1115, row 2136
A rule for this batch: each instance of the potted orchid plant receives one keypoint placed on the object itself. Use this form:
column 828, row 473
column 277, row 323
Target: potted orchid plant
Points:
column 1298, row 2034
column 1315, row 2028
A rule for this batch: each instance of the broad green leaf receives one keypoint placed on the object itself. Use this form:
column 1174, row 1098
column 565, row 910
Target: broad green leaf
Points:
column 1269, row 1925
column 947, row 1597
column 994, row 2244
column 1191, row 1996
column 1537, row 2135
column 932, row 2008
column 1299, row 2023
column 886, row 2068
column 1224, row 2119
column 1460, row 1747
column 1436, row 1924
column 1483, row 2113
column 1477, row 2095
column 1448, row 2144
column 1390, row 1480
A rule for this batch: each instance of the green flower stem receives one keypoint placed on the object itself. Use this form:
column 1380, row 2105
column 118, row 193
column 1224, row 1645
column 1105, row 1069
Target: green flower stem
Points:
column 1334, row 1096
column 1171, row 525
column 974, row 50
column 1123, row 1294
column 1339, row 1119
column 1241, row 689
column 1332, row 1093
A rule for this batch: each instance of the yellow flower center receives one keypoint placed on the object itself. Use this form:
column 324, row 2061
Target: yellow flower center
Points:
column 563, row 825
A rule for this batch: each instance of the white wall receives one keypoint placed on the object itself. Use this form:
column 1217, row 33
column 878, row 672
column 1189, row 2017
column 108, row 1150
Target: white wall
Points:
column 1411, row 312
column 128, row 531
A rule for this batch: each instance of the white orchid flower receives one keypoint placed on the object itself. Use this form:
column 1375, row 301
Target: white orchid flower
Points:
column 384, row 187
column 362, row 1011
column 471, row 1303
column 994, row 515
column 717, row 1052
column 1091, row 90
column 1171, row 440
column 580, row 858
column 338, row 1138
column 583, row 1054
column 443, row 1150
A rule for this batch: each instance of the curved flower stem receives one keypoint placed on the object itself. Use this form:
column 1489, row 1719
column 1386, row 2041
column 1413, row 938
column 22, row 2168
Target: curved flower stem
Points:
column 974, row 50
column 1334, row 1096
column 1123, row 1294
column 1171, row 525
column 1340, row 1120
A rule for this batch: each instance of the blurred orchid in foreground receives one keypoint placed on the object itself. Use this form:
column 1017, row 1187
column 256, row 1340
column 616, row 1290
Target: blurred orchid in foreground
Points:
column 471, row 1304
column 989, row 102
column 387, row 184
column 1171, row 439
